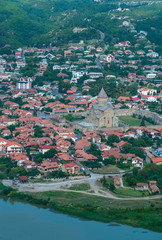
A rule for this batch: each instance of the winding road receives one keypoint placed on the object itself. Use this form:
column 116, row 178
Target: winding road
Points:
column 92, row 181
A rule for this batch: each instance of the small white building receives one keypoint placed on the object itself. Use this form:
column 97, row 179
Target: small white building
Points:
column 24, row 83
column 95, row 74
column 137, row 162
column 151, row 75
column 147, row 91
column 152, row 54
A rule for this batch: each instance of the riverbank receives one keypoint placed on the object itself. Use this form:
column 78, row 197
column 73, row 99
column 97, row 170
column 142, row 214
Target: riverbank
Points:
column 143, row 214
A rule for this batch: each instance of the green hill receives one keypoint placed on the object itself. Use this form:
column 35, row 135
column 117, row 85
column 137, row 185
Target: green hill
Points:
column 37, row 22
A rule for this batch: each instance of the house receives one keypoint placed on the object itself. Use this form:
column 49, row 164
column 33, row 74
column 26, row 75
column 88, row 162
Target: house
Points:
column 152, row 54
column 120, row 144
column 68, row 53
column 6, row 132
column 123, row 99
column 157, row 160
column 83, row 156
column 137, row 162
column 117, row 182
column 126, row 24
column 82, row 144
column 95, row 74
column 71, row 168
column 28, row 165
column 110, row 58
column 44, row 149
column 23, row 179
column 3, row 143
column 93, row 137
column 65, row 157
column 141, row 186
column 151, row 75
column 147, row 91
column 13, row 147
column 47, row 166
column 132, row 76
column 153, row 187
column 104, row 147
column 124, row 44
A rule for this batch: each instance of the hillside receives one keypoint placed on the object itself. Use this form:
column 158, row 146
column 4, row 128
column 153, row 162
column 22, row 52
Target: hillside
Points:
column 37, row 22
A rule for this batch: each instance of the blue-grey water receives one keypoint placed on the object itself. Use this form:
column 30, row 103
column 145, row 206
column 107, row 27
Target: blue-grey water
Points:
column 19, row 221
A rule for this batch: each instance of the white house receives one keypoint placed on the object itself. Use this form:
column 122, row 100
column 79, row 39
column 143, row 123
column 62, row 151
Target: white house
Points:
column 109, row 58
column 137, row 162
column 151, row 75
column 152, row 54
column 95, row 74
column 12, row 147
column 147, row 91
column 24, row 83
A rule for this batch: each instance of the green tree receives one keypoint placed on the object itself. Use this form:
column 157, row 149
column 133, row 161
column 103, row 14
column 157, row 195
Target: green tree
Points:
column 111, row 139
column 69, row 117
column 50, row 154
column 38, row 132
column 142, row 122
column 112, row 160
column 112, row 186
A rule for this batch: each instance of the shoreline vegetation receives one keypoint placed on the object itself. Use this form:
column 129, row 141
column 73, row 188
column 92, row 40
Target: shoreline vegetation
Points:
column 142, row 214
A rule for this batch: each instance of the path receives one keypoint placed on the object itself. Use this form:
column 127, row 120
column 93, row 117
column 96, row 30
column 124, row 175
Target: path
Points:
column 60, row 186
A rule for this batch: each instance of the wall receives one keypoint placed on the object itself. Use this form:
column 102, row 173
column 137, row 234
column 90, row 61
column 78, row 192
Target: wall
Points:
column 155, row 117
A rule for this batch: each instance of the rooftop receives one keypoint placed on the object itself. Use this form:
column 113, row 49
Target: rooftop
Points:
column 102, row 94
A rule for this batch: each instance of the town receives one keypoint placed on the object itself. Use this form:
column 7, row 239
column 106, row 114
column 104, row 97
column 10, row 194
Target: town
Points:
column 80, row 119
column 82, row 111
column 53, row 125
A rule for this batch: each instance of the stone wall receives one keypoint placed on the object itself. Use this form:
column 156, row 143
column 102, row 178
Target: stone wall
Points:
column 154, row 116
column 124, row 112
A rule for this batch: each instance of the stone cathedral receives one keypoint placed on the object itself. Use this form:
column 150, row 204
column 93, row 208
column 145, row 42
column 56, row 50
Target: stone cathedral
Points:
column 102, row 112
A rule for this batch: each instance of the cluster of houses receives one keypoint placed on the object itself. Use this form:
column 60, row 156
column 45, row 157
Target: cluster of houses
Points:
column 24, row 101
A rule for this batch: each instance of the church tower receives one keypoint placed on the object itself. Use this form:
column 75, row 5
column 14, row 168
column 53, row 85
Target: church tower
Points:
column 102, row 97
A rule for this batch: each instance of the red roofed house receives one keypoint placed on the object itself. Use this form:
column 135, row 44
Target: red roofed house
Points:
column 71, row 168
column 47, row 166
column 45, row 148
column 123, row 99
column 65, row 157
column 83, row 144
column 13, row 147
column 157, row 160
column 23, row 179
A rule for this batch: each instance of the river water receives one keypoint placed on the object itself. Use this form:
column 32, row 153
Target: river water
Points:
column 19, row 221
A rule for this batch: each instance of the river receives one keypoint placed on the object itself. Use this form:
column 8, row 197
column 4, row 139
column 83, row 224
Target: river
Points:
column 19, row 221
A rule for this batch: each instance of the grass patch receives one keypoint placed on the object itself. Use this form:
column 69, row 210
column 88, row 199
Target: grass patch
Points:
column 42, row 181
column 107, row 169
column 131, row 192
column 135, row 213
column 132, row 121
column 80, row 187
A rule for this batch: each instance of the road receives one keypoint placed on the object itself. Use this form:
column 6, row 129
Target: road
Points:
column 61, row 186
column 92, row 181
column 99, row 64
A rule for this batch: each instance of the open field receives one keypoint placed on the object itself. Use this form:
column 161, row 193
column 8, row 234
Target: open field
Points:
column 80, row 187
column 135, row 213
column 131, row 192
column 132, row 121
column 107, row 169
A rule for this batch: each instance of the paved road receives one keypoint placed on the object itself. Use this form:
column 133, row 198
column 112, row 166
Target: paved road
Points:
column 63, row 186
column 99, row 64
